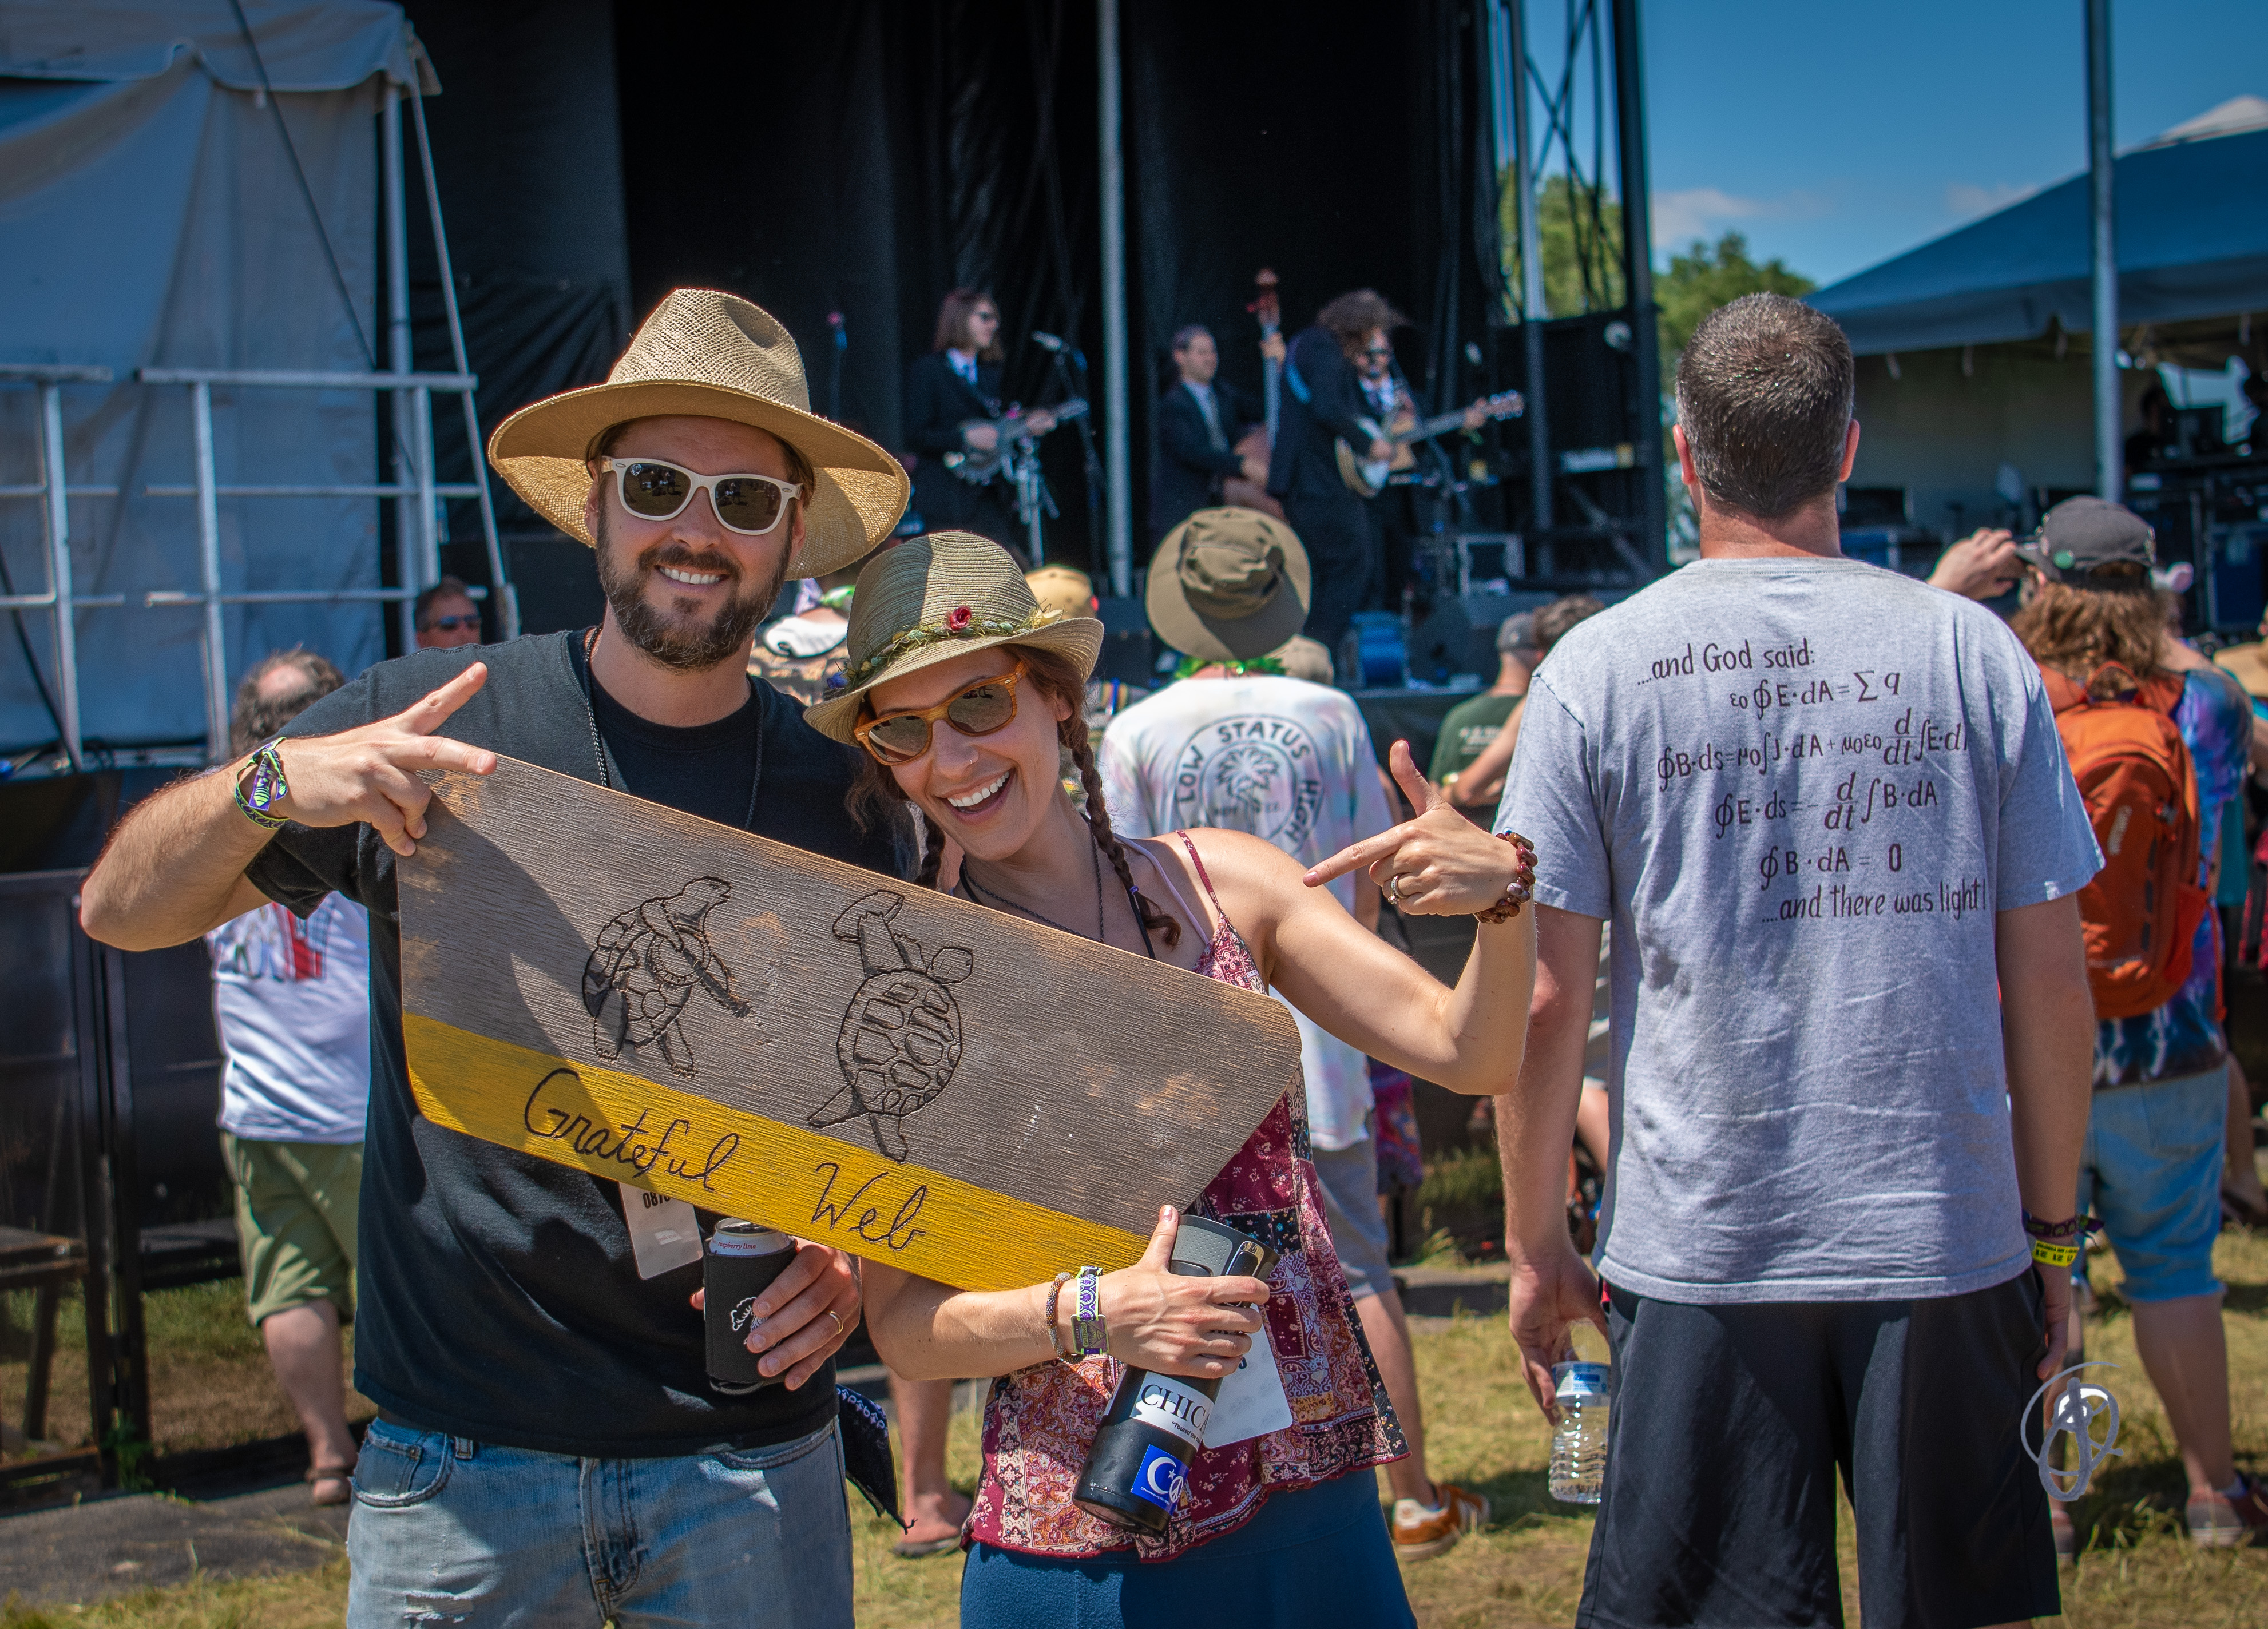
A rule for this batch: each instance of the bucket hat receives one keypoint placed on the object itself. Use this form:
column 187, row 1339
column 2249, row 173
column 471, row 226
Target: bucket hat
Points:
column 1228, row 585
column 709, row 354
column 932, row 599
column 2082, row 536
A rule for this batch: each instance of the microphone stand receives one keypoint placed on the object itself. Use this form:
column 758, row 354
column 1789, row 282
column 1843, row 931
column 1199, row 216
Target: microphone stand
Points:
column 1094, row 477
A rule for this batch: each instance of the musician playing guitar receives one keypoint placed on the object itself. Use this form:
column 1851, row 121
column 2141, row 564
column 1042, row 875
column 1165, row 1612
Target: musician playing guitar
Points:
column 953, row 405
column 1324, row 402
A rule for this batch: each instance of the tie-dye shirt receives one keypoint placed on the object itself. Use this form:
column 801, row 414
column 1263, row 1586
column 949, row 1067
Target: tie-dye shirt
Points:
column 2185, row 1036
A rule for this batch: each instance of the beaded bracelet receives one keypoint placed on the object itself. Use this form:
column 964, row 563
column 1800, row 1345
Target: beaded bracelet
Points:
column 2076, row 1228
column 261, row 785
column 1522, row 889
column 1087, row 1333
column 1055, row 1299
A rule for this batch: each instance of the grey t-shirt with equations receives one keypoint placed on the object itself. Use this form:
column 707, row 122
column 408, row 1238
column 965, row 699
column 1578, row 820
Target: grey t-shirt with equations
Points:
column 1799, row 788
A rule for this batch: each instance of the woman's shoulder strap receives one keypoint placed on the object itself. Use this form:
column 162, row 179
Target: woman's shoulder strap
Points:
column 1197, row 862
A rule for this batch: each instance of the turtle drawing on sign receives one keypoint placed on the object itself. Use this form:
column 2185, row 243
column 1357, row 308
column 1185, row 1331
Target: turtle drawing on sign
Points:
column 901, row 1037
column 649, row 961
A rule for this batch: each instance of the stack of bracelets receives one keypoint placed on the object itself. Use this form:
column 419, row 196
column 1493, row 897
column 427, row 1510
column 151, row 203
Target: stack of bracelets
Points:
column 2057, row 1243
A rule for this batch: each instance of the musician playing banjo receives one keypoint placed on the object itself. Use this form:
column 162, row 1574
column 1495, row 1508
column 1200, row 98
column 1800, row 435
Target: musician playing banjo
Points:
column 953, row 408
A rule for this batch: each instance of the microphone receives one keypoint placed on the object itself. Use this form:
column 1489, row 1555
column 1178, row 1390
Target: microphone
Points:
column 1050, row 341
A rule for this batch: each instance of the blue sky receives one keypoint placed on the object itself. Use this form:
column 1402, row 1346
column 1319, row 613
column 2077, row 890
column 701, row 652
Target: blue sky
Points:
column 1837, row 133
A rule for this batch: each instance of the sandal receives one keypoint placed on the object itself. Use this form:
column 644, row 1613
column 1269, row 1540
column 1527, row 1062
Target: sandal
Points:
column 316, row 1477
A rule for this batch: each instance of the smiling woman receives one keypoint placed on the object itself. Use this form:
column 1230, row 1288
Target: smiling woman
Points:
column 965, row 694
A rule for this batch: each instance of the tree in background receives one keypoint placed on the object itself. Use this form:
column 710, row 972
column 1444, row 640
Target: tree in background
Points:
column 1704, row 277
column 1579, row 229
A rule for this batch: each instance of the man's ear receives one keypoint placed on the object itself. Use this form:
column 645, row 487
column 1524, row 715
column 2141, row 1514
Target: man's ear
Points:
column 1685, row 470
column 593, row 500
column 1850, row 450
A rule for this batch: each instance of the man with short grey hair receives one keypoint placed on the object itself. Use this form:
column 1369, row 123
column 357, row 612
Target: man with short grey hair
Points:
column 1828, row 813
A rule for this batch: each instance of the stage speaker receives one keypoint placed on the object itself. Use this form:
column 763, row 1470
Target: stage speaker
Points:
column 1128, row 651
column 1459, row 635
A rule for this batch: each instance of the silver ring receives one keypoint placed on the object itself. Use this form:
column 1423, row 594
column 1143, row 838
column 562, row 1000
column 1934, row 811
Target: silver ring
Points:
column 1394, row 887
column 838, row 1318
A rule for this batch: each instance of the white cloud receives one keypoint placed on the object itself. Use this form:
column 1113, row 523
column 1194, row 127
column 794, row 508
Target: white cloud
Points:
column 1965, row 202
column 1679, row 218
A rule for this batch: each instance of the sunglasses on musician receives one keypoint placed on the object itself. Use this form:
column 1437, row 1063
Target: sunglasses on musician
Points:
column 984, row 709
column 449, row 625
column 655, row 490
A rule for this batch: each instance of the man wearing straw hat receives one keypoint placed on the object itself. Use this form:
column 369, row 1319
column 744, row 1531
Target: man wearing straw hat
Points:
column 547, row 1440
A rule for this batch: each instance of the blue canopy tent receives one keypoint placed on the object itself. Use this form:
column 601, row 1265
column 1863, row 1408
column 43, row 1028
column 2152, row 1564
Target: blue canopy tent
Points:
column 2192, row 243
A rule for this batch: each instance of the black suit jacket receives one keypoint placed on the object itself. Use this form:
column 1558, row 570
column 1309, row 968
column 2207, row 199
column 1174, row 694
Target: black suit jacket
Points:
column 1187, row 474
column 1305, row 465
column 938, row 401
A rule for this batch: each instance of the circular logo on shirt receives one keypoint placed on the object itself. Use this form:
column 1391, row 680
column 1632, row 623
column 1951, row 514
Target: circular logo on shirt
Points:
column 1257, row 774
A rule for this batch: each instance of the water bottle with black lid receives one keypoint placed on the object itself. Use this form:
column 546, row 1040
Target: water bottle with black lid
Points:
column 1579, row 1444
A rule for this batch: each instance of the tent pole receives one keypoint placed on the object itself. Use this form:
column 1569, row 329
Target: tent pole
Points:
column 56, row 491
column 1533, row 307
column 406, row 527
column 1120, row 521
column 506, row 605
column 1637, row 285
column 2110, row 453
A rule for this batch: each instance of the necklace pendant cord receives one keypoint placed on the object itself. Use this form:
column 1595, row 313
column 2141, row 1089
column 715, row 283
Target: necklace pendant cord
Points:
column 590, row 644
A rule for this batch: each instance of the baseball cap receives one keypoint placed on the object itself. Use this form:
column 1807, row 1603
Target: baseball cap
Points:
column 2084, row 537
column 1516, row 632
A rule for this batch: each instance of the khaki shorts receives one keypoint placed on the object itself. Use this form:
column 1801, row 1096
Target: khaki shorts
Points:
column 295, row 1221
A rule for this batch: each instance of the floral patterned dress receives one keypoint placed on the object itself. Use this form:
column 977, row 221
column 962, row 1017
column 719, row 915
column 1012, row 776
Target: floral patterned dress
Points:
column 1040, row 1422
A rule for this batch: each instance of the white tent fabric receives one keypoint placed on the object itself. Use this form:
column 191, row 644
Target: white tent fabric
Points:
column 151, row 216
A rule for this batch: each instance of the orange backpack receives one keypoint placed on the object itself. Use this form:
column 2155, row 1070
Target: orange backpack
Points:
column 2141, row 912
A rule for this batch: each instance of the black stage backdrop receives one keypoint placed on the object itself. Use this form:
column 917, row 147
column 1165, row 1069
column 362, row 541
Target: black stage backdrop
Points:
column 527, row 157
column 863, row 158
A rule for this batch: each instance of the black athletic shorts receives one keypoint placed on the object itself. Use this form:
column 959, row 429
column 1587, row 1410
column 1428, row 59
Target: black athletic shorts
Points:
column 1728, row 1426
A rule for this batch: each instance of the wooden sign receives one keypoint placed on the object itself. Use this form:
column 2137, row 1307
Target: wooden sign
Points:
column 604, row 982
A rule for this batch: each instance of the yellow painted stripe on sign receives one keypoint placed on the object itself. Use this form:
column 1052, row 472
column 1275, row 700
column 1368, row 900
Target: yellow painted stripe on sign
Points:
column 723, row 1159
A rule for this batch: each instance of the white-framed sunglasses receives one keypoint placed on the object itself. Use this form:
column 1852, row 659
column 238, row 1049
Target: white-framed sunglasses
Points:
column 655, row 490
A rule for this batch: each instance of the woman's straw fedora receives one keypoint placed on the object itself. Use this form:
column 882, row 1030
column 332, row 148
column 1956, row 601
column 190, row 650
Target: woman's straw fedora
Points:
column 931, row 600
column 713, row 355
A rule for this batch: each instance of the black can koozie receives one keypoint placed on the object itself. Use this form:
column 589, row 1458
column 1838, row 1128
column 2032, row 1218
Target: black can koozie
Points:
column 740, row 1262
column 1138, row 1471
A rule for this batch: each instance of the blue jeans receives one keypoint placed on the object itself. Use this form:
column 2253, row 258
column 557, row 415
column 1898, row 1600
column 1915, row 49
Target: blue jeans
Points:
column 446, row 1531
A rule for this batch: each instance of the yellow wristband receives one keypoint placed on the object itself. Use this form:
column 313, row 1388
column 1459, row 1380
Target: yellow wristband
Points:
column 2054, row 1255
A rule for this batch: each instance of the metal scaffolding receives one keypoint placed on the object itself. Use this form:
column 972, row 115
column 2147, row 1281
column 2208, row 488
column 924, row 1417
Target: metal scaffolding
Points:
column 414, row 488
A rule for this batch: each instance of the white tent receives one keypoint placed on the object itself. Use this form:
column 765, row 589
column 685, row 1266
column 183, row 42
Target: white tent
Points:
column 171, row 200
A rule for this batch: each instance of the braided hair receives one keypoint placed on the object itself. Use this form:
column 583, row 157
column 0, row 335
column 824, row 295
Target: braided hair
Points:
column 875, row 799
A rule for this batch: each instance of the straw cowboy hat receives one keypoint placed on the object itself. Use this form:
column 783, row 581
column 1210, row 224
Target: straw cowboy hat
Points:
column 711, row 356
column 1228, row 585
column 931, row 600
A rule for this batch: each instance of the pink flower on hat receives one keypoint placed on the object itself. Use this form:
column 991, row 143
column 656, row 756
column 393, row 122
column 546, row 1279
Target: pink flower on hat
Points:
column 957, row 619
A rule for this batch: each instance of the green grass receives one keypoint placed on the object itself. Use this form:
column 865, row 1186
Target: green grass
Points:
column 1526, row 1566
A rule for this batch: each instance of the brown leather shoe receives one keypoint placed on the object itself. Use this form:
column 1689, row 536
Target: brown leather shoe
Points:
column 1419, row 1532
column 2217, row 1522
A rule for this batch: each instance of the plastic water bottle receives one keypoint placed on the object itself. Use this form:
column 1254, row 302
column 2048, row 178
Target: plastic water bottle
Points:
column 1579, row 1447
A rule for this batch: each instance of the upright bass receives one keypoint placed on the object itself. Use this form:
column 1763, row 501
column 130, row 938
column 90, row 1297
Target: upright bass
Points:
column 1260, row 440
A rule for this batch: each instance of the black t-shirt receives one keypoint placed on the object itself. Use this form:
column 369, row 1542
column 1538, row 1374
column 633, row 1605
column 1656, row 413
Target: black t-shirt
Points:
column 498, row 1298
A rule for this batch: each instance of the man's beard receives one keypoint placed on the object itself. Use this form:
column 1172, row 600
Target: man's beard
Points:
column 657, row 632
